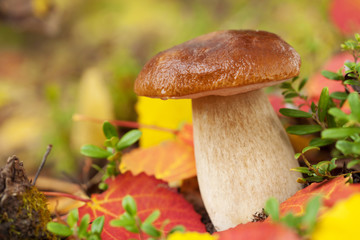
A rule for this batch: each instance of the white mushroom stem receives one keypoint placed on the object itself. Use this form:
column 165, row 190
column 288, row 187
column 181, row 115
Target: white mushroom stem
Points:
column 243, row 156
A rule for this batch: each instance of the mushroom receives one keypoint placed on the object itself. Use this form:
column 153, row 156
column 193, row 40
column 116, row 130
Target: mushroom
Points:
column 243, row 155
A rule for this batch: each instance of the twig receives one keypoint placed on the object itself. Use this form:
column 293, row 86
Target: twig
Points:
column 129, row 124
column 42, row 163
column 60, row 194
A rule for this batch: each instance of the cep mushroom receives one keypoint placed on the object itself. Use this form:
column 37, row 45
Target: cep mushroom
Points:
column 243, row 155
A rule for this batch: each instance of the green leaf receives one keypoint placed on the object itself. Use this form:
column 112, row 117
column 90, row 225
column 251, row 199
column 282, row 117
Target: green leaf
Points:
column 302, row 170
column 286, row 85
column 302, row 84
column 294, row 113
column 318, row 142
column 297, row 155
column 308, row 148
column 303, row 129
column 109, row 130
column 129, row 205
column 291, row 95
column 152, row 217
column 272, row 209
column 94, row 151
column 339, row 95
column 150, row 230
column 354, row 103
column 311, row 212
column 84, row 223
column 314, row 179
column 323, row 104
column 97, row 225
column 338, row 133
column 352, row 82
column 332, row 75
column 348, row 148
column 128, row 139
column 72, row 217
column 352, row 163
column 338, row 114
column 59, row 229
column 177, row 228
column 313, row 107
column 126, row 221
column 291, row 220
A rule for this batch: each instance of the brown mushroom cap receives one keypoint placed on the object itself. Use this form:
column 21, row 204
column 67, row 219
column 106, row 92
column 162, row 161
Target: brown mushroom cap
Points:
column 219, row 63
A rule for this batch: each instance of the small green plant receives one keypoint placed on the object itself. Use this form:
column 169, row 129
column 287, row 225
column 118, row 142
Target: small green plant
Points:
column 325, row 117
column 132, row 223
column 112, row 151
column 303, row 224
column 73, row 231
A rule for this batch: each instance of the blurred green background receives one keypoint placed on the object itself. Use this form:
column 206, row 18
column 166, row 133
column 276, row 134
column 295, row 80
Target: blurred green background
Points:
column 61, row 57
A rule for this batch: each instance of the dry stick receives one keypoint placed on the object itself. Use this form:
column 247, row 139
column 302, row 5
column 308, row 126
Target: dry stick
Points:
column 42, row 163
column 60, row 194
column 129, row 124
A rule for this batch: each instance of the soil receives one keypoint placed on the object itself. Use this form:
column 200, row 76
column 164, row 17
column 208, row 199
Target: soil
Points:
column 23, row 211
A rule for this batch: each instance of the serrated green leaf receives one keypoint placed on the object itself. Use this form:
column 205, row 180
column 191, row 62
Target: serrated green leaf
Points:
column 128, row 139
column 94, row 151
column 98, row 225
column 59, row 229
column 129, row 205
column 84, row 223
column 272, row 209
column 294, row 113
column 339, row 95
column 339, row 133
column 352, row 163
column 303, row 129
column 150, row 230
column 332, row 75
column 109, row 130
column 152, row 217
column 308, row 148
column 354, row 103
column 72, row 217
column 323, row 104
column 318, row 142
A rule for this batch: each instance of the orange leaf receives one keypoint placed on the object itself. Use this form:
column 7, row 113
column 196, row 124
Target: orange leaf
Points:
column 171, row 161
column 332, row 190
column 150, row 194
column 258, row 230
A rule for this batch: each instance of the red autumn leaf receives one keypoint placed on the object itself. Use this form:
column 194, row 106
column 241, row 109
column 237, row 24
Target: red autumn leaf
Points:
column 150, row 194
column 332, row 191
column 258, row 230
column 171, row 161
column 345, row 15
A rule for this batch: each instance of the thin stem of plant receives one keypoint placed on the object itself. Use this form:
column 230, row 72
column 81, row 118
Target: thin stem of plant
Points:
column 48, row 150
column 67, row 195
column 129, row 124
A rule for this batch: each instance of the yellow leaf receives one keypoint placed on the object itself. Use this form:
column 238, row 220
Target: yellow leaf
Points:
column 191, row 236
column 163, row 113
column 93, row 101
column 340, row 222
